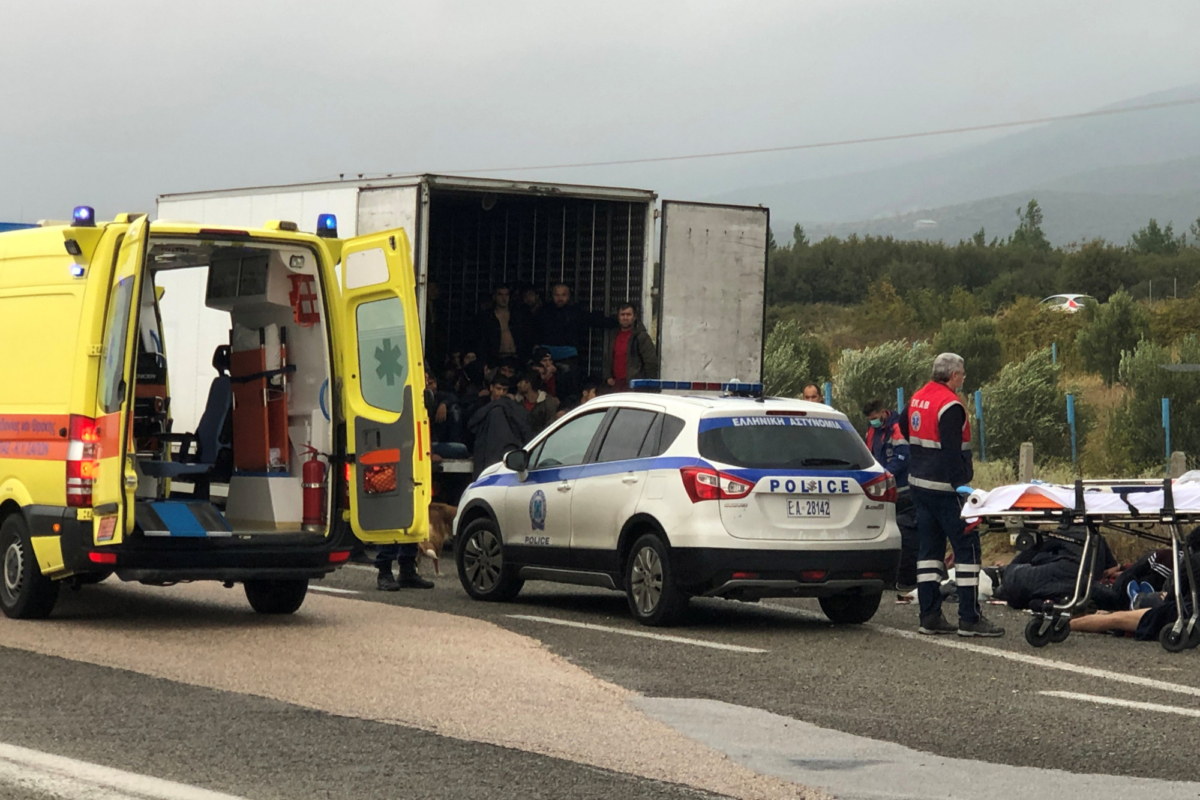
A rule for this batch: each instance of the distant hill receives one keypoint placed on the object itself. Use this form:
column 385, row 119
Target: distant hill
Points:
column 1100, row 176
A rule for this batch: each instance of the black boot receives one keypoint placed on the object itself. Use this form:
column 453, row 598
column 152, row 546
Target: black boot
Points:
column 409, row 579
column 386, row 582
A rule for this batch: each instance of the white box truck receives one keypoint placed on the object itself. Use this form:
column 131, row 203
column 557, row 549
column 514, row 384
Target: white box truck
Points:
column 702, row 301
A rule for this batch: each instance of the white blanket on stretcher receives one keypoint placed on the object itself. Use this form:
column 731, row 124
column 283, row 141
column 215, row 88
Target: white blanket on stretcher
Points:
column 1099, row 500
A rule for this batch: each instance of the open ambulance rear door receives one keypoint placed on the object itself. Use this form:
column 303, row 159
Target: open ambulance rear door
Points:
column 710, row 308
column 383, row 385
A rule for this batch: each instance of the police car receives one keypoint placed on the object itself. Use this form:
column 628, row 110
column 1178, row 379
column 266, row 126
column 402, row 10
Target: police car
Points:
column 666, row 497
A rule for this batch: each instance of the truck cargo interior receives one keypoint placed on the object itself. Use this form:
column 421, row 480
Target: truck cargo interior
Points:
column 478, row 240
column 231, row 388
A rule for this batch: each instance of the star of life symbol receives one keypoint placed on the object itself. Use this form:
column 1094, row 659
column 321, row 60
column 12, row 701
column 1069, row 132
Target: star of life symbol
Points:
column 389, row 367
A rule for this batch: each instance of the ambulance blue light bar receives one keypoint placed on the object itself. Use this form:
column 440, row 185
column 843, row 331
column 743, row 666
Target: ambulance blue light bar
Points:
column 84, row 217
column 327, row 226
column 732, row 387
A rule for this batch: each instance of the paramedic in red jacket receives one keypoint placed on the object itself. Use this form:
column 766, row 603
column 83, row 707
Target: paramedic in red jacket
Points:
column 939, row 436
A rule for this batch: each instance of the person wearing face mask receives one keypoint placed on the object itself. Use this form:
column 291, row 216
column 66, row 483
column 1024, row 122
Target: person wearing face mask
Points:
column 887, row 439
column 940, row 447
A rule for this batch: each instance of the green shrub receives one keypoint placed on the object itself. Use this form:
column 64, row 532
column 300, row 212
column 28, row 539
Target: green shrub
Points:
column 792, row 359
column 975, row 340
column 1026, row 404
column 876, row 372
column 1137, row 428
column 1026, row 326
column 1109, row 330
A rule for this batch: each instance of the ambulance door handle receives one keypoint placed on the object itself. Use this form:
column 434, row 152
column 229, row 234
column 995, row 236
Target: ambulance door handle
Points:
column 565, row 486
column 131, row 481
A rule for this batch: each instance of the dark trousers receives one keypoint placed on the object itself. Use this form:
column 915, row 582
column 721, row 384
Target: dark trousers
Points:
column 938, row 520
column 906, row 520
column 404, row 554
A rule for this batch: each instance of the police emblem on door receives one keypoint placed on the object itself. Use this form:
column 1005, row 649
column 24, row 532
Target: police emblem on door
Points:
column 537, row 510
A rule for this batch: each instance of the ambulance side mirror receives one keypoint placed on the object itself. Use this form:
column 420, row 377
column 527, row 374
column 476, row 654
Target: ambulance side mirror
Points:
column 517, row 461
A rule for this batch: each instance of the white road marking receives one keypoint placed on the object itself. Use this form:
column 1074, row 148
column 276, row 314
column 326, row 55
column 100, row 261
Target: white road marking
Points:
column 1112, row 701
column 954, row 643
column 332, row 589
column 61, row 777
column 662, row 637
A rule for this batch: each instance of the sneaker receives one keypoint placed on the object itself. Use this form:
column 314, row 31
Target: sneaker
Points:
column 386, row 582
column 980, row 627
column 933, row 625
column 412, row 580
column 1133, row 590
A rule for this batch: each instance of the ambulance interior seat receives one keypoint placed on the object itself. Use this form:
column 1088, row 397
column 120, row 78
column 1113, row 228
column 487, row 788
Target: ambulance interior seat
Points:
column 213, row 457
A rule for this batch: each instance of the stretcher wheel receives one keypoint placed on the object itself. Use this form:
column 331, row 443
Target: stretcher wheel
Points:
column 1061, row 629
column 1171, row 641
column 1036, row 633
column 1193, row 638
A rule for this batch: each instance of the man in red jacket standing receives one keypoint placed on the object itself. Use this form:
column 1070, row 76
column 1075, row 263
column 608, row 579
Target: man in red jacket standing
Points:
column 939, row 436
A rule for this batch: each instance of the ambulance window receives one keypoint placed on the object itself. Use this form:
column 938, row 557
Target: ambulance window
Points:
column 382, row 353
column 112, row 378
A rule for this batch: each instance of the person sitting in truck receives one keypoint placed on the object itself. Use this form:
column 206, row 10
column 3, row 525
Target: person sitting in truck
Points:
column 505, row 330
column 500, row 426
column 445, row 421
column 541, row 406
column 543, row 363
column 629, row 353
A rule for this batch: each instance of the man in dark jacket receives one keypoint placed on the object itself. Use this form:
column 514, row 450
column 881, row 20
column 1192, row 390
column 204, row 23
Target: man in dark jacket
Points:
column 888, row 443
column 562, row 328
column 629, row 352
column 505, row 330
column 499, row 427
column 940, row 439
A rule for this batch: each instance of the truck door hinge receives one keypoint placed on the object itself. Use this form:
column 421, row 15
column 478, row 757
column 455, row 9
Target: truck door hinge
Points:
column 96, row 350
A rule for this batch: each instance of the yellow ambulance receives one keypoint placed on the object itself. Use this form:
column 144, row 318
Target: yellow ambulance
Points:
column 313, row 425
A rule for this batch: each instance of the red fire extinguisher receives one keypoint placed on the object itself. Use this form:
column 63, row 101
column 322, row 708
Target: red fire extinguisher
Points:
column 313, row 483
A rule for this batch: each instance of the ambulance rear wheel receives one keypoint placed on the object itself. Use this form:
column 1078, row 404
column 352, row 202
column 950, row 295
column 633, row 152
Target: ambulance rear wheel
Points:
column 25, row 593
column 850, row 609
column 276, row 596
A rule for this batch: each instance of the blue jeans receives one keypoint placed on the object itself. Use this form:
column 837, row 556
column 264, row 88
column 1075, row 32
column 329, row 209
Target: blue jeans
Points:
column 450, row 450
column 938, row 520
column 399, row 553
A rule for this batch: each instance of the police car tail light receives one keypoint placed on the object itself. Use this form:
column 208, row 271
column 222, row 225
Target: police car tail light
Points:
column 702, row 483
column 82, row 463
column 881, row 488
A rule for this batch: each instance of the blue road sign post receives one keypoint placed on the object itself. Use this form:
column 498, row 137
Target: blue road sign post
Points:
column 1054, row 353
column 900, row 400
column 1071, row 422
column 979, row 416
column 828, row 393
column 1166, row 423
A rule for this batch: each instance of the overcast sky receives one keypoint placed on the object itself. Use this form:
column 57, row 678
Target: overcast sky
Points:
column 110, row 104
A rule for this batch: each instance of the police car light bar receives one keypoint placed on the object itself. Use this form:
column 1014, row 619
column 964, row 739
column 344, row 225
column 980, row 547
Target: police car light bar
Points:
column 732, row 387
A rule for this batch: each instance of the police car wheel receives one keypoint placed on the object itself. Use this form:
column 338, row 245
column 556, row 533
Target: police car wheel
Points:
column 480, row 561
column 850, row 609
column 276, row 596
column 654, row 597
column 25, row 593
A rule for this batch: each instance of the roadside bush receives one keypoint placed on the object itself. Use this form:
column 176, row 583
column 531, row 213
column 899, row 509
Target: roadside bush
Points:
column 876, row 372
column 793, row 359
column 1137, row 428
column 975, row 340
column 885, row 314
column 1026, row 327
column 1173, row 320
column 1025, row 403
column 1109, row 330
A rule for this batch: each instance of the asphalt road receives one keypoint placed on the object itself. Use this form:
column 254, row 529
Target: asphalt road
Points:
column 871, row 711
column 975, row 699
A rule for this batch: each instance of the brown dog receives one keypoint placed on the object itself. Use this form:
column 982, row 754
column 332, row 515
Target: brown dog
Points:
column 441, row 521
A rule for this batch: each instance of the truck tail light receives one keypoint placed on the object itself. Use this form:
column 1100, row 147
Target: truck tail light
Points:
column 703, row 483
column 881, row 488
column 82, row 460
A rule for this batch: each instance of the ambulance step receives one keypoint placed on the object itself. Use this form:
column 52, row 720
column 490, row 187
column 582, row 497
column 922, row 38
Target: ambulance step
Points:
column 181, row 519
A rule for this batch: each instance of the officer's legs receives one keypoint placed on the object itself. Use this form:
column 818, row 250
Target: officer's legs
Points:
column 906, row 520
column 931, row 552
column 384, row 557
column 967, row 556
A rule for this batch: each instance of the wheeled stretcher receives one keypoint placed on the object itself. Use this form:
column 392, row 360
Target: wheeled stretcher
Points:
column 1078, row 514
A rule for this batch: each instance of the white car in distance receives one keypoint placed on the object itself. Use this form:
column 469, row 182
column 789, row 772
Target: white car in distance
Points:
column 667, row 497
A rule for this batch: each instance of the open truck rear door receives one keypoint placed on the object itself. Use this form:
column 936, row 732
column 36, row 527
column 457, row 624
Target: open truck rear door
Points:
column 99, row 461
column 383, row 384
column 710, row 311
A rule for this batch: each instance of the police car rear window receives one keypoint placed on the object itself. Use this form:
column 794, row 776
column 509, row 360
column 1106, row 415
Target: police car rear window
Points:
column 764, row 442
